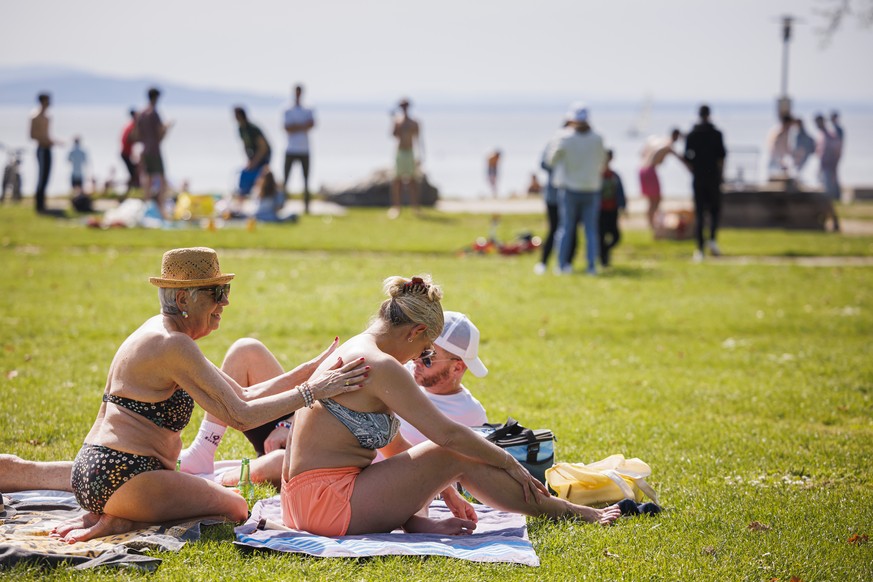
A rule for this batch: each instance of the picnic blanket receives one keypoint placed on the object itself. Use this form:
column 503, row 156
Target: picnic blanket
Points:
column 499, row 537
column 29, row 517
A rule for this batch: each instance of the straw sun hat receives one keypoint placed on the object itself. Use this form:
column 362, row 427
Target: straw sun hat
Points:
column 192, row 267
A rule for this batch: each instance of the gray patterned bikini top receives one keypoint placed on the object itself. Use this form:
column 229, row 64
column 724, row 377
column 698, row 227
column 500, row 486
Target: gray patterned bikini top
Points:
column 373, row 430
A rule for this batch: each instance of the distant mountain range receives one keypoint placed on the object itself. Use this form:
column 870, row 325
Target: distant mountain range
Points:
column 20, row 86
column 70, row 86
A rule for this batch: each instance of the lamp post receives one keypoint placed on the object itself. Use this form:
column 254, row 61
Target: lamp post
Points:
column 783, row 103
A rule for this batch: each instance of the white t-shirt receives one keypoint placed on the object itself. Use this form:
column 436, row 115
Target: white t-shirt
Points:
column 298, row 141
column 462, row 407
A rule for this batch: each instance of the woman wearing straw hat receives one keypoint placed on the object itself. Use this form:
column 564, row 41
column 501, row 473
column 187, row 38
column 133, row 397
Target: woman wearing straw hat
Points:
column 330, row 485
column 123, row 475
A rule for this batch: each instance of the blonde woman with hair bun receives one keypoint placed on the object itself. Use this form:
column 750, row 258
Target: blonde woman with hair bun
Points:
column 330, row 485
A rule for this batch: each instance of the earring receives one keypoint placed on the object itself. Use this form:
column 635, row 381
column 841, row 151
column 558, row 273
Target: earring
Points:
column 409, row 340
column 185, row 314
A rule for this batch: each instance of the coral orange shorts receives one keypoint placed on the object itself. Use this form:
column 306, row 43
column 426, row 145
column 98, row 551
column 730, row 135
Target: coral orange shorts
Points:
column 319, row 501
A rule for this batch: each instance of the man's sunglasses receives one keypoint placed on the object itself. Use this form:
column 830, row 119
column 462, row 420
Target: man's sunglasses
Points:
column 426, row 357
column 219, row 292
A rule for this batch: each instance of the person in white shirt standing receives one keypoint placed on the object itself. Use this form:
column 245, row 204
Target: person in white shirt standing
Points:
column 577, row 159
column 298, row 122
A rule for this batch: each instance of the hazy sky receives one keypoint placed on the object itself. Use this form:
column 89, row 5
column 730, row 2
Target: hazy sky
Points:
column 473, row 49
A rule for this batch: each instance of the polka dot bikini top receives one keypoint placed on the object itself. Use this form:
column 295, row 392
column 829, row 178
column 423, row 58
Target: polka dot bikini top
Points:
column 172, row 413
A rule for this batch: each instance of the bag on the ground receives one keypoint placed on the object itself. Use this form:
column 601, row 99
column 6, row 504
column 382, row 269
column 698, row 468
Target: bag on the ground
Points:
column 601, row 483
column 534, row 449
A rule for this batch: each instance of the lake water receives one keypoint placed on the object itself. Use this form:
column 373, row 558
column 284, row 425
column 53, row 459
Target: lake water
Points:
column 349, row 143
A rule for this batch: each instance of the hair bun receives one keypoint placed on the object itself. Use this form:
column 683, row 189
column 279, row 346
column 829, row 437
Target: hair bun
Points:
column 396, row 287
column 414, row 285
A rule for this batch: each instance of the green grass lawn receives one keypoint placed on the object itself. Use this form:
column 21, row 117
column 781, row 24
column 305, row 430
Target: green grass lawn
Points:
column 748, row 388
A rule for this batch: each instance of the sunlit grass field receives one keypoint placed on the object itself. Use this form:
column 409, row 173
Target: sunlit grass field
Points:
column 747, row 386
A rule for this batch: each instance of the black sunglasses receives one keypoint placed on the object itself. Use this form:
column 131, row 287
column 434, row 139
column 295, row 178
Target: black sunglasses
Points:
column 219, row 292
column 426, row 357
column 430, row 361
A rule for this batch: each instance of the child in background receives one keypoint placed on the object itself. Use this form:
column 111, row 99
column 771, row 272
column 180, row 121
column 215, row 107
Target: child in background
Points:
column 270, row 199
column 611, row 201
column 78, row 158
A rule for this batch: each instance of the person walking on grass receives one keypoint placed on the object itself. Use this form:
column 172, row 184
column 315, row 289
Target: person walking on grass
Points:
column 704, row 156
column 577, row 158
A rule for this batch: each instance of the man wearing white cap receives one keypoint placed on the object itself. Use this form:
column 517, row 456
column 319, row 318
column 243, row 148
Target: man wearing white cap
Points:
column 577, row 159
column 457, row 350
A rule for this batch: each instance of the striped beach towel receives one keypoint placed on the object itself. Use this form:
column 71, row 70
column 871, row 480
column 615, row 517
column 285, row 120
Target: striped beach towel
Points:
column 499, row 537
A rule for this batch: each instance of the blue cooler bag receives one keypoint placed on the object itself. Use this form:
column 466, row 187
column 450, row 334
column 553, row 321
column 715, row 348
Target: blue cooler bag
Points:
column 534, row 449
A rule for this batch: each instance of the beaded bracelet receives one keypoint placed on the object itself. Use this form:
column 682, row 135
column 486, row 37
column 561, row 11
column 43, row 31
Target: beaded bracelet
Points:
column 306, row 392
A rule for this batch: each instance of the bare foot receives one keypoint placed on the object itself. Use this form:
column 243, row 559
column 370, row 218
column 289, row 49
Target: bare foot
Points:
column 228, row 478
column 65, row 527
column 603, row 516
column 451, row 526
column 106, row 525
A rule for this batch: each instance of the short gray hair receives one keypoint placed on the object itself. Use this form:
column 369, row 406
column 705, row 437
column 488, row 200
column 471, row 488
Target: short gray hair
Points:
column 167, row 297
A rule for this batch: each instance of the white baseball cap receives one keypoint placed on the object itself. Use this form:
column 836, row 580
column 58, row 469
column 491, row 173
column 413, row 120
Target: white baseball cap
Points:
column 461, row 338
column 578, row 112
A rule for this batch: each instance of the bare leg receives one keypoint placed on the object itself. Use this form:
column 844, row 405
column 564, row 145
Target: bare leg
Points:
column 389, row 493
column 287, row 175
column 249, row 362
column 156, row 497
column 17, row 474
column 452, row 526
column 266, row 468
column 415, row 195
column 654, row 204
column 161, row 194
column 394, row 211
